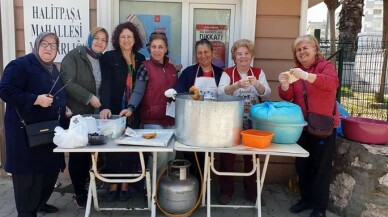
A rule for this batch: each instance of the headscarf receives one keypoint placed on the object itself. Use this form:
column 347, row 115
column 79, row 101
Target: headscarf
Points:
column 89, row 43
column 48, row 65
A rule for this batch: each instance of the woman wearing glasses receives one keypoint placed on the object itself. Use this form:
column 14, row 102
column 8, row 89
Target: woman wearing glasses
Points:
column 154, row 77
column 119, row 70
column 25, row 86
column 81, row 70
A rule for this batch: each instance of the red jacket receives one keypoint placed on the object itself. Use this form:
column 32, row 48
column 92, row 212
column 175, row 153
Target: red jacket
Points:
column 321, row 94
column 153, row 106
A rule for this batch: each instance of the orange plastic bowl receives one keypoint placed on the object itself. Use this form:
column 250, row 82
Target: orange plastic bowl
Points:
column 256, row 138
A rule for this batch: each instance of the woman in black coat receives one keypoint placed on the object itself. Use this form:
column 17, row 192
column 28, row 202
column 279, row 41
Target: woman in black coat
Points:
column 119, row 69
column 25, row 86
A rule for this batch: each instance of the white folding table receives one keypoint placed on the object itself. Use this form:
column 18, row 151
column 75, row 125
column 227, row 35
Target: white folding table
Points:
column 111, row 146
column 289, row 150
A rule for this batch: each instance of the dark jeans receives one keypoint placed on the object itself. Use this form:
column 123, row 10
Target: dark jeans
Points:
column 79, row 166
column 32, row 191
column 315, row 170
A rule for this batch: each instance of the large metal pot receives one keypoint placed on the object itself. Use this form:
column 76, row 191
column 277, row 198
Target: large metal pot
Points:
column 208, row 123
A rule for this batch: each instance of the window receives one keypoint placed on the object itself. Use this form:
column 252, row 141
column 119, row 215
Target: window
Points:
column 377, row 11
column 155, row 16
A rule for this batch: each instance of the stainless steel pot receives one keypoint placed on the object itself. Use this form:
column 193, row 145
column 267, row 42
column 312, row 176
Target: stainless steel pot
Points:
column 208, row 123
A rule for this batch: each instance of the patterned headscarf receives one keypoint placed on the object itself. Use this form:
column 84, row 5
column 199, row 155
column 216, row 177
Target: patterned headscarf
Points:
column 93, row 33
column 48, row 65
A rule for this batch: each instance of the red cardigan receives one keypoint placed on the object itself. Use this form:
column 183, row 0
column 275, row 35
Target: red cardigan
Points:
column 321, row 94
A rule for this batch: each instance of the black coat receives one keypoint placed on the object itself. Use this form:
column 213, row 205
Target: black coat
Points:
column 23, row 80
column 114, row 71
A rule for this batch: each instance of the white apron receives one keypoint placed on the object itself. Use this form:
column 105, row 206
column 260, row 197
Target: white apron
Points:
column 250, row 98
column 206, row 85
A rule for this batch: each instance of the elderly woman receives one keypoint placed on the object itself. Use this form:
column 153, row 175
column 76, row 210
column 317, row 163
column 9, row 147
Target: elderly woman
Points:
column 319, row 78
column 249, row 83
column 119, row 71
column 25, row 87
column 82, row 71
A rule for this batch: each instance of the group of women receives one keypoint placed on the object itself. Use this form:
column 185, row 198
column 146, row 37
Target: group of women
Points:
column 122, row 82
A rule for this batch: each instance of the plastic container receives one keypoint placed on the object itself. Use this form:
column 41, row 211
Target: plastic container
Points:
column 284, row 133
column 97, row 139
column 256, row 138
column 365, row 130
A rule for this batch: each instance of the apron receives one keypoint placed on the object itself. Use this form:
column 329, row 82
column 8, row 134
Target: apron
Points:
column 250, row 98
column 206, row 85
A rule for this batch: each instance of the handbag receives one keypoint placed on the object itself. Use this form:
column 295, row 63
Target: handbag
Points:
column 320, row 126
column 40, row 133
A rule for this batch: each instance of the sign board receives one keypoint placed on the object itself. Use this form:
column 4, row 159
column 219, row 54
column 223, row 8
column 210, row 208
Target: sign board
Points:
column 69, row 20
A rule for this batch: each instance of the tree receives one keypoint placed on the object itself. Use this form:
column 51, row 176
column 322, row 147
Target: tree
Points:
column 349, row 25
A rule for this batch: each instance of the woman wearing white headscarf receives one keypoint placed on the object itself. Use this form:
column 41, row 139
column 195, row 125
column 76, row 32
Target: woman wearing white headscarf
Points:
column 25, row 86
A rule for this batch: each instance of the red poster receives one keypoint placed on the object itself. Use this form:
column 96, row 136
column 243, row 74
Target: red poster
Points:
column 216, row 34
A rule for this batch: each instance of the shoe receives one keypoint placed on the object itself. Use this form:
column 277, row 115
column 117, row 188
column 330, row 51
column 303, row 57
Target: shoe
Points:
column 47, row 208
column 111, row 196
column 80, row 200
column 224, row 199
column 300, row 206
column 318, row 213
column 124, row 196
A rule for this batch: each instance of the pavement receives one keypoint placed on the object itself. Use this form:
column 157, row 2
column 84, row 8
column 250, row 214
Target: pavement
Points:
column 276, row 199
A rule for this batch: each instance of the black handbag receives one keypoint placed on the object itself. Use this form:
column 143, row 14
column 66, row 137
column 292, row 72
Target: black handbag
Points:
column 320, row 126
column 40, row 133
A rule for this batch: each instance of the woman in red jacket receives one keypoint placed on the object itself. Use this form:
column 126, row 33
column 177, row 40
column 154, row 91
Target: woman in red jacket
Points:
column 320, row 80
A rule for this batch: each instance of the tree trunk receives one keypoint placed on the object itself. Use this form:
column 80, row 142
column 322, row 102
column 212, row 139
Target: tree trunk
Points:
column 350, row 24
column 385, row 24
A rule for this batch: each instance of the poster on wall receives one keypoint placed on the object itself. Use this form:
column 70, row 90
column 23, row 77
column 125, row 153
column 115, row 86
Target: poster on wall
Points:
column 216, row 34
column 69, row 20
column 148, row 24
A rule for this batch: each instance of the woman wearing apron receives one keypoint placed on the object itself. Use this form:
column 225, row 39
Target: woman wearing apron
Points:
column 206, row 77
column 248, row 83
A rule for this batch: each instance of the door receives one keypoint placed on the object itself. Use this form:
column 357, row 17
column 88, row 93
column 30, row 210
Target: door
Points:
column 215, row 22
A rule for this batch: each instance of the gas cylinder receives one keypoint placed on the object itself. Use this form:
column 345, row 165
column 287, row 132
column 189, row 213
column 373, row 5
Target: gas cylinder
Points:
column 178, row 190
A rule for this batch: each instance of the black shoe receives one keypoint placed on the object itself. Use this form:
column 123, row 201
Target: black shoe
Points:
column 47, row 208
column 318, row 213
column 80, row 200
column 300, row 206
column 112, row 196
column 124, row 196
column 224, row 199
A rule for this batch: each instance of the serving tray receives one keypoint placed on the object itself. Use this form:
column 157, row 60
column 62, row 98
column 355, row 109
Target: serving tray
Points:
column 162, row 138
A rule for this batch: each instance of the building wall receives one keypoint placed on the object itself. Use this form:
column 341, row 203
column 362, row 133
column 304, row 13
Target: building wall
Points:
column 277, row 25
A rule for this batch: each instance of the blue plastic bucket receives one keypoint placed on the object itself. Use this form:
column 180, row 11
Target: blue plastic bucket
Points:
column 284, row 133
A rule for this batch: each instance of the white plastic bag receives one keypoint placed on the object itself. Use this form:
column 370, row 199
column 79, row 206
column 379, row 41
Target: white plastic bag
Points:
column 76, row 136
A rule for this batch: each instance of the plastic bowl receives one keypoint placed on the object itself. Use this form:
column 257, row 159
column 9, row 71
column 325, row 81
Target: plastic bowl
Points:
column 284, row 133
column 97, row 139
column 365, row 130
column 256, row 138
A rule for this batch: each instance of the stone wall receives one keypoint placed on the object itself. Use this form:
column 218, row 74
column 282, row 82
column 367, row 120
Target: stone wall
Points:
column 359, row 185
